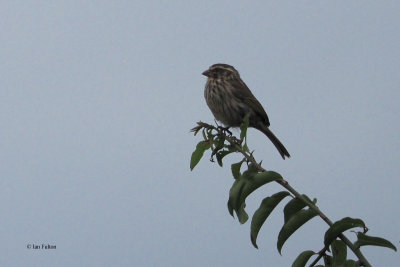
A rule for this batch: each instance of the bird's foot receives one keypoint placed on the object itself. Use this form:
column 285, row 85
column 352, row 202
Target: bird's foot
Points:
column 225, row 130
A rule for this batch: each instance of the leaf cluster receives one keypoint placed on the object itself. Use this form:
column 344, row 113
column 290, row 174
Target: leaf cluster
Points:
column 297, row 211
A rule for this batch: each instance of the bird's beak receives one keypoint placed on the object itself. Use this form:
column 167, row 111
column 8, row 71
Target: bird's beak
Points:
column 206, row 73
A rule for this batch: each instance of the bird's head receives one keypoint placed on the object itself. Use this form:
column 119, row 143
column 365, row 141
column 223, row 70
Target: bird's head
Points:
column 221, row 72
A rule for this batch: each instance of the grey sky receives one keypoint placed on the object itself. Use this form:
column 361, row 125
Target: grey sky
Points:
column 97, row 99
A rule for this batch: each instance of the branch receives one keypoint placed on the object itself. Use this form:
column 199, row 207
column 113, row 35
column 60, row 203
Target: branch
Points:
column 310, row 204
column 221, row 142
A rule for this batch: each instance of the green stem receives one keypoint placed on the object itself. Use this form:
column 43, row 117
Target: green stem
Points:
column 311, row 205
column 234, row 142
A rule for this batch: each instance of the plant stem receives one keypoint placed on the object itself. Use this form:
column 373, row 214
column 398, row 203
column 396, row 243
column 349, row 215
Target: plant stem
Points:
column 285, row 184
column 249, row 157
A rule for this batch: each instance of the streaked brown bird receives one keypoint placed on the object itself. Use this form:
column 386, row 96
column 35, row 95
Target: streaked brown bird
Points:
column 230, row 100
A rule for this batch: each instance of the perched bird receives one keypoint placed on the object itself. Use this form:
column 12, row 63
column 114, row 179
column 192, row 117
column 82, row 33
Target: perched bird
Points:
column 230, row 100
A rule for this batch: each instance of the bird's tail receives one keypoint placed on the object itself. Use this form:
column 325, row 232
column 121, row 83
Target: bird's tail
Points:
column 281, row 148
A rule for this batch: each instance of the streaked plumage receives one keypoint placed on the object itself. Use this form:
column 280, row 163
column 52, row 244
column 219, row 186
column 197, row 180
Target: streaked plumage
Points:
column 229, row 99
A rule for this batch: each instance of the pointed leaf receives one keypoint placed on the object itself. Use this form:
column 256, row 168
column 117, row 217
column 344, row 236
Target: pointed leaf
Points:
column 257, row 181
column 293, row 224
column 236, row 201
column 220, row 155
column 339, row 252
column 198, row 153
column 303, row 258
column 294, row 206
column 218, row 144
column 267, row 176
column 365, row 240
column 241, row 214
column 234, row 195
column 254, row 181
column 249, row 181
column 339, row 227
column 236, row 169
column 262, row 213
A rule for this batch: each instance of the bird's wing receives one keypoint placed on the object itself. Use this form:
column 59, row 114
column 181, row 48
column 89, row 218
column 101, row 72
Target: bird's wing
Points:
column 247, row 96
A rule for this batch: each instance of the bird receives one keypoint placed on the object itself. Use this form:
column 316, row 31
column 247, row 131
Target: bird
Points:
column 230, row 100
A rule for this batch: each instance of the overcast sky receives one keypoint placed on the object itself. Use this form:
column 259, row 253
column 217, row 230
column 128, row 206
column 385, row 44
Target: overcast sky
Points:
column 97, row 99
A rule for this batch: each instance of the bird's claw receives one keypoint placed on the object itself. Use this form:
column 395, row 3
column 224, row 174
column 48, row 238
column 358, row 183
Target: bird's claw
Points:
column 224, row 130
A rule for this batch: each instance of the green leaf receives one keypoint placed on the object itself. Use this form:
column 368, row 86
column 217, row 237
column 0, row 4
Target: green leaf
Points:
column 365, row 240
column 241, row 214
column 265, row 209
column 216, row 148
column 339, row 253
column 198, row 153
column 293, row 206
column 295, row 222
column 339, row 227
column 245, row 147
column 234, row 204
column 266, row 177
column 327, row 260
column 244, row 126
column 219, row 143
column 220, row 155
column 303, row 258
column 236, row 169
column 351, row 263
column 249, row 181
column 234, row 195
